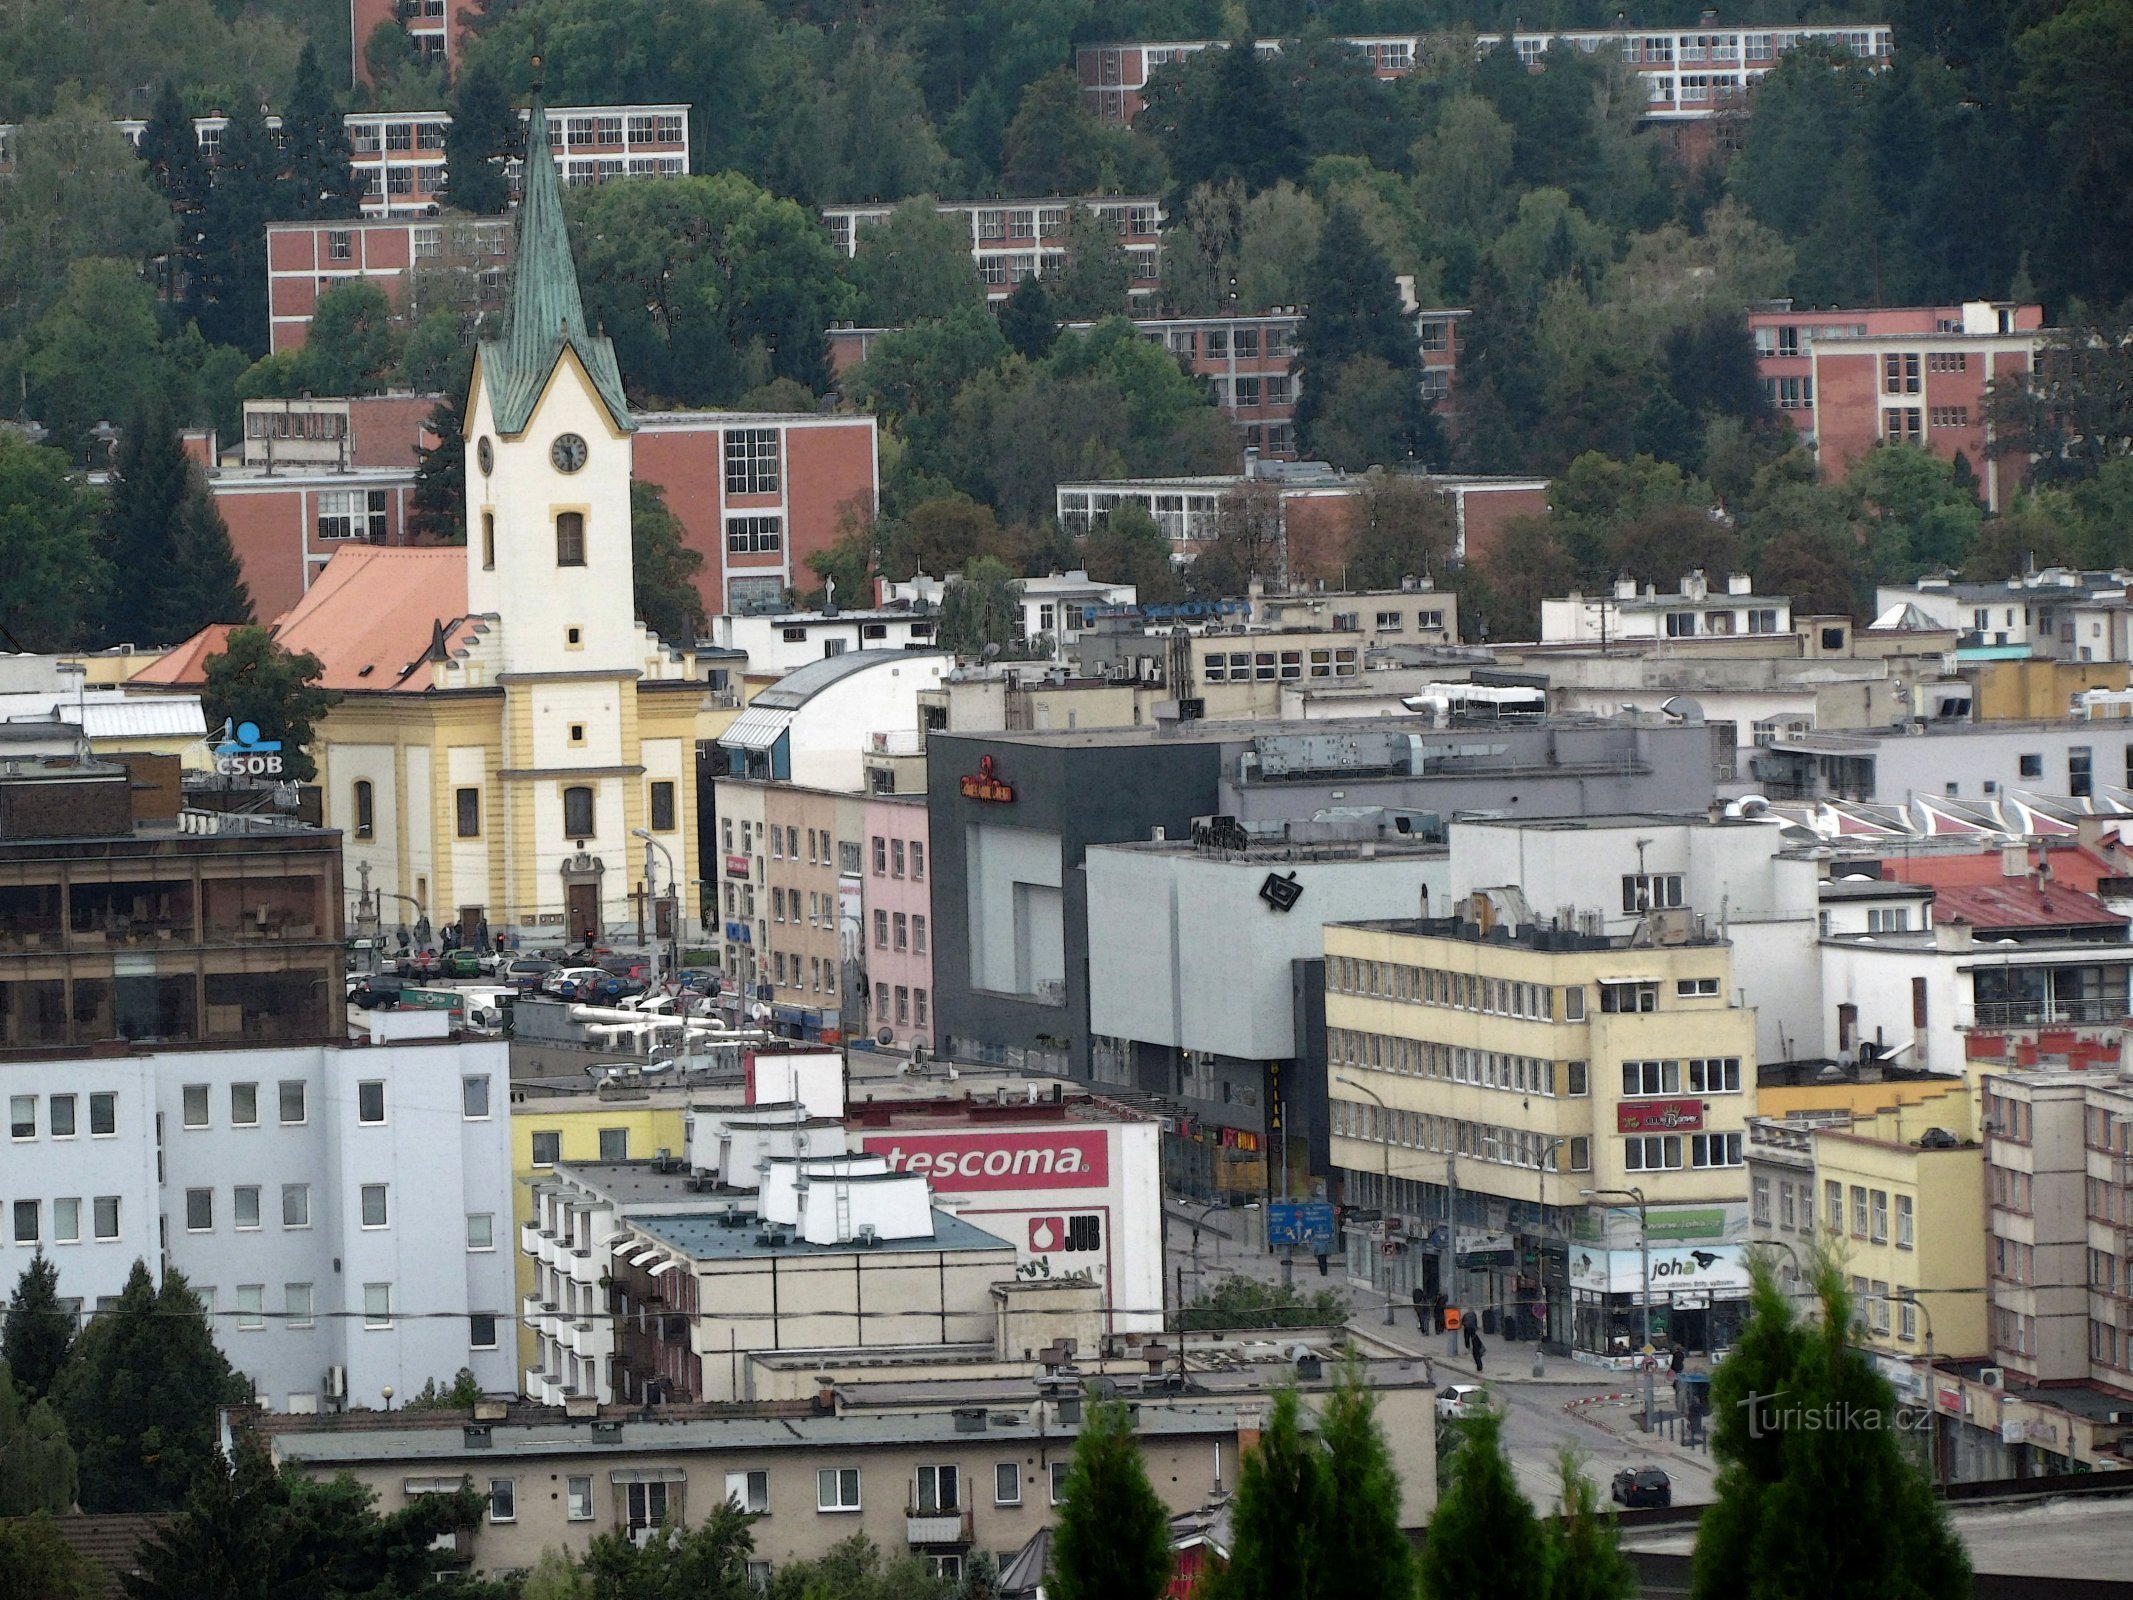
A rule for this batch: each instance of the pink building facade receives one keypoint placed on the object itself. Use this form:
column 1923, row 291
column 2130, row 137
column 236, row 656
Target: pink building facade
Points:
column 897, row 898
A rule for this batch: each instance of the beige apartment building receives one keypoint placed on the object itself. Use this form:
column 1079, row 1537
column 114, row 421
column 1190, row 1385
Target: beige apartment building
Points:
column 979, row 1466
column 1544, row 1073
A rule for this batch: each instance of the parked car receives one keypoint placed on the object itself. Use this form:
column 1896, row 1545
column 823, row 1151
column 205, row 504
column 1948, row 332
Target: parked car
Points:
column 464, row 963
column 1637, row 1487
column 377, row 992
column 557, row 979
column 627, row 966
column 702, row 979
column 524, row 971
column 1462, row 1400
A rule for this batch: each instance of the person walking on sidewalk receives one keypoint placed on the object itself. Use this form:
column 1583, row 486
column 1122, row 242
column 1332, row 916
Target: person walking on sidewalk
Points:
column 1477, row 1348
column 1421, row 1312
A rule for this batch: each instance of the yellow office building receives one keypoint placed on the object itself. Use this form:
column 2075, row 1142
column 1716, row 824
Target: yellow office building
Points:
column 1547, row 1073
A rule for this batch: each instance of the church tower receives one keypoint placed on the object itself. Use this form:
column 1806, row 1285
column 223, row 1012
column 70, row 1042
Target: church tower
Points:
column 548, row 460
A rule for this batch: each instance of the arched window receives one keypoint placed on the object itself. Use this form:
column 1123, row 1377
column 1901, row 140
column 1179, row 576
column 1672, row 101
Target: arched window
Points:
column 578, row 812
column 365, row 816
column 570, row 539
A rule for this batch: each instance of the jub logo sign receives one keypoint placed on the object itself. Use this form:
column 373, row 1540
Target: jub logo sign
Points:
column 247, row 755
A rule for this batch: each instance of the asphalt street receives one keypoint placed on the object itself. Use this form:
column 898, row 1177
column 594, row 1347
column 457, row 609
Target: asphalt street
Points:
column 1567, row 1405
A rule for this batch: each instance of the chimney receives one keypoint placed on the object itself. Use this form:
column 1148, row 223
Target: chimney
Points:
column 2014, row 860
column 825, row 1395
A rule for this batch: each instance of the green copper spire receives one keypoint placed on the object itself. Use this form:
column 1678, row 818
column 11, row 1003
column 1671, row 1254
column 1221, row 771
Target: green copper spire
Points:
column 545, row 313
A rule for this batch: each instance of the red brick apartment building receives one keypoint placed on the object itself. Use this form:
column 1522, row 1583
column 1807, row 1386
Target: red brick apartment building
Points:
column 1689, row 73
column 1851, row 379
column 399, row 155
column 1247, row 360
column 305, row 259
column 1010, row 239
column 756, row 494
column 436, row 28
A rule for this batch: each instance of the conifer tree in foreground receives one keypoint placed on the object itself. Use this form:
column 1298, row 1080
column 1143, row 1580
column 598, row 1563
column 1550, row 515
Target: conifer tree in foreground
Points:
column 37, row 1330
column 1362, row 1549
column 1113, row 1538
column 1815, row 1493
column 1484, row 1539
column 1278, row 1522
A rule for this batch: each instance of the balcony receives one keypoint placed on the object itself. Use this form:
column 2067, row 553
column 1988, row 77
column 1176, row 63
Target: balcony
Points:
column 529, row 1238
column 2028, row 1013
column 936, row 1527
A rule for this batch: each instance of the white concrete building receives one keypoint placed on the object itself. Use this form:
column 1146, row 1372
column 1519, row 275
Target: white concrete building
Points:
column 1738, row 875
column 1692, row 612
column 815, row 725
column 343, row 1211
column 1060, row 606
column 779, row 642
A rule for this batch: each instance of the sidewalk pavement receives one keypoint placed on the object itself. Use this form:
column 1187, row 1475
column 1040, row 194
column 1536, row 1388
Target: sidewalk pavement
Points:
column 1502, row 1361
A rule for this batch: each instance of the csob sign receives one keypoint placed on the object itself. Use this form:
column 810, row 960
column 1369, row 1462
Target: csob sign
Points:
column 1066, row 1158
column 246, row 755
column 736, row 866
column 985, row 785
column 1659, row 1116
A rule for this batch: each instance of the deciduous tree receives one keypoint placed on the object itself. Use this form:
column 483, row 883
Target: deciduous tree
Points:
column 981, row 609
column 55, row 575
column 37, row 1563
column 666, row 569
column 914, row 266
column 37, row 1468
column 350, row 349
column 254, row 679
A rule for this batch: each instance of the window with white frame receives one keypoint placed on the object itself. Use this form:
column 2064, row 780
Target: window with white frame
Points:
column 352, row 514
column 1006, row 1483
column 1652, row 1153
column 1651, row 891
column 749, row 1491
column 1714, row 1150
column 837, row 1489
column 937, row 1490
column 1714, row 1075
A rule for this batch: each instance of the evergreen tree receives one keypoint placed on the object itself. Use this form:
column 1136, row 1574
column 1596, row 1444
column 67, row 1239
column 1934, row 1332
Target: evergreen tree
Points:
column 247, row 193
column 1587, row 1561
column 439, row 510
column 180, row 174
column 1362, row 1550
column 254, row 679
column 484, row 132
column 141, row 1395
column 1113, row 1537
column 1279, row 1518
column 149, row 480
column 37, row 1331
column 206, row 583
column 37, row 1467
column 1806, row 1423
column 322, row 182
column 1027, row 321
column 1353, row 313
column 1484, row 1538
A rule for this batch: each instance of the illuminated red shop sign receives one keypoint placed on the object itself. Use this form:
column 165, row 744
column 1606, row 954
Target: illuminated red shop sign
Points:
column 1065, row 1158
column 1659, row 1116
column 984, row 785
column 736, row 866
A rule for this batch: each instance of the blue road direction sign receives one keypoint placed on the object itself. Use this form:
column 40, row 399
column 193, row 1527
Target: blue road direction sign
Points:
column 1305, row 1222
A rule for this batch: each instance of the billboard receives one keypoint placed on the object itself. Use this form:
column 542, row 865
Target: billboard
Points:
column 1659, row 1116
column 1057, row 1158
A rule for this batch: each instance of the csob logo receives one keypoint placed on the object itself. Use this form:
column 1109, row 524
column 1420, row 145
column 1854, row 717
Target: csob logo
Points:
column 246, row 755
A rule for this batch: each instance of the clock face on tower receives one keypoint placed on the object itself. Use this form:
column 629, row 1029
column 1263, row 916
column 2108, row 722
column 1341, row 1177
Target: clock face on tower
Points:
column 485, row 454
column 568, row 453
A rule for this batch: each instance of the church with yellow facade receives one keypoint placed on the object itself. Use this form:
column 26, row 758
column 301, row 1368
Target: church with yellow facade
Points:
column 507, row 726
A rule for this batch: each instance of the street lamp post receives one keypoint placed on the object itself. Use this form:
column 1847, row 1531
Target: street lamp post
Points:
column 1644, row 1257
column 1927, row 1395
column 1540, row 1235
column 673, row 893
column 1384, row 1194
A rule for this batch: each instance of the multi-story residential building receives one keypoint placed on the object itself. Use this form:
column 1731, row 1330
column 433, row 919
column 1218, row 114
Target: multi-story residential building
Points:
column 757, row 493
column 896, row 905
column 978, row 1463
column 399, row 155
column 436, row 28
column 1484, row 1054
column 462, row 258
column 1317, row 507
column 2053, row 1393
column 1059, row 607
column 793, row 909
column 127, row 914
column 1012, row 239
column 1689, row 74
column 1916, row 375
column 342, row 1210
column 2059, row 614
column 1013, row 813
